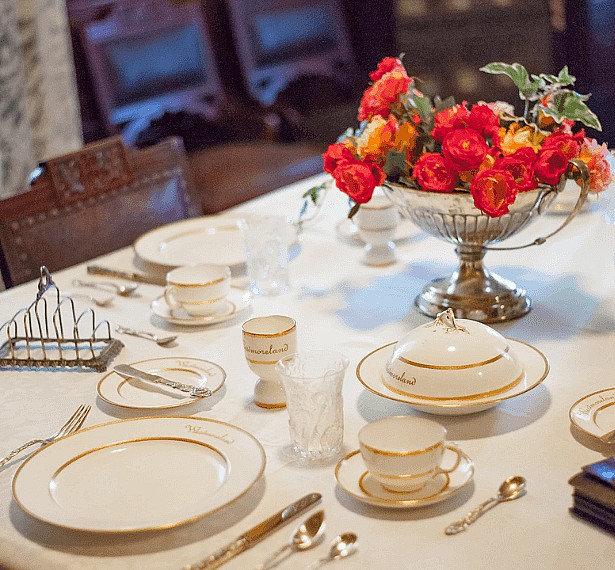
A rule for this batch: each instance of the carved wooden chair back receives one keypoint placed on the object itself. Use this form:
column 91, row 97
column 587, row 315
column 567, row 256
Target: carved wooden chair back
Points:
column 88, row 203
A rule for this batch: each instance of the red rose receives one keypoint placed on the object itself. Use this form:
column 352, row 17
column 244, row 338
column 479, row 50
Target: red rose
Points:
column 334, row 154
column 484, row 120
column 550, row 164
column 563, row 142
column 526, row 154
column 465, row 149
column 493, row 191
column 448, row 120
column 378, row 98
column 385, row 66
column 434, row 173
column 523, row 174
column 358, row 179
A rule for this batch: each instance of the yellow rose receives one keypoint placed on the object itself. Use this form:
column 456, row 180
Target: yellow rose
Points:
column 517, row 137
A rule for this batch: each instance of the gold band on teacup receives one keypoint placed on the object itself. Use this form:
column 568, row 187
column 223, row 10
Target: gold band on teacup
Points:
column 402, row 453
column 269, row 335
column 445, row 398
column 209, row 302
column 206, row 284
column 387, row 229
column 268, row 362
column 438, row 492
column 455, row 367
column 413, row 476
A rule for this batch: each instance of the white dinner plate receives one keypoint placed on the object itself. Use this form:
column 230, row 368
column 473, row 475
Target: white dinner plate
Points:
column 208, row 239
column 535, row 366
column 237, row 301
column 594, row 414
column 353, row 477
column 347, row 230
column 139, row 474
column 124, row 392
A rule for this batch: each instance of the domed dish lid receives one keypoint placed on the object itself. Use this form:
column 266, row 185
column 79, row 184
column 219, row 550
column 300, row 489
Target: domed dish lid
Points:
column 448, row 341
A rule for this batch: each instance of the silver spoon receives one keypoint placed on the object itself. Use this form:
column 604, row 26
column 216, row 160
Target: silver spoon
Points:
column 104, row 302
column 342, row 545
column 122, row 290
column 160, row 341
column 511, row 489
column 307, row 535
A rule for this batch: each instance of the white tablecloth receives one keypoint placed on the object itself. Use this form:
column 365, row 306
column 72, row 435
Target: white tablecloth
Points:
column 341, row 304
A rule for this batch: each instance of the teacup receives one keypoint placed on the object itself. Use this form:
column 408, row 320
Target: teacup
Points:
column 377, row 224
column 198, row 289
column 265, row 341
column 403, row 453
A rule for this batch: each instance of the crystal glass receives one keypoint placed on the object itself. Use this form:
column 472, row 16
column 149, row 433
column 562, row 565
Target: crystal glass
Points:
column 312, row 381
column 267, row 239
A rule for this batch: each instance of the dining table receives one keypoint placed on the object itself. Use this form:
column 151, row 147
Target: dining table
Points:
column 340, row 303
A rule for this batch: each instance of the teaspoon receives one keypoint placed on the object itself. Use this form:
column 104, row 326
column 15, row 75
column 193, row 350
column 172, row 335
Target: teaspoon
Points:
column 342, row 545
column 511, row 489
column 122, row 290
column 307, row 535
column 104, row 302
column 160, row 341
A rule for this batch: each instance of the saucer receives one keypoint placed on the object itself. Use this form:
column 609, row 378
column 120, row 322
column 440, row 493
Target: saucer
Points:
column 594, row 414
column 535, row 367
column 347, row 230
column 238, row 300
column 140, row 395
column 352, row 476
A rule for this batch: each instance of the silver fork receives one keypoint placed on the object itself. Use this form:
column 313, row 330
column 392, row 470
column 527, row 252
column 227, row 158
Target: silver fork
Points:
column 72, row 425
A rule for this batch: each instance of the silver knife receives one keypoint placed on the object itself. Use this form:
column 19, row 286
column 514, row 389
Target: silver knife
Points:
column 131, row 372
column 256, row 534
column 139, row 277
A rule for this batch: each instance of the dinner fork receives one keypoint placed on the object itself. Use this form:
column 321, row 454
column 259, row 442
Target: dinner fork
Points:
column 72, row 425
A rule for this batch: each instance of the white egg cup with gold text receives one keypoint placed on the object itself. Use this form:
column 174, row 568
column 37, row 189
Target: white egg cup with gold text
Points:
column 377, row 222
column 403, row 453
column 265, row 341
column 198, row 289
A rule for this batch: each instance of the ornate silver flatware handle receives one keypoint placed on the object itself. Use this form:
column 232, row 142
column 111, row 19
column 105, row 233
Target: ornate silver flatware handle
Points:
column 130, row 372
column 462, row 524
column 220, row 557
column 15, row 452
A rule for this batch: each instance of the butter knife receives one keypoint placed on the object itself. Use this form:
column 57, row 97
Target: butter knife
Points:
column 131, row 372
column 131, row 276
column 256, row 534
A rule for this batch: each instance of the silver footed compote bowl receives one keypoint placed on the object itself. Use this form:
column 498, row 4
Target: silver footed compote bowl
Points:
column 472, row 291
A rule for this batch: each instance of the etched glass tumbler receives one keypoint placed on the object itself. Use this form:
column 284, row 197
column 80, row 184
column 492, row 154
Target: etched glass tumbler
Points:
column 312, row 382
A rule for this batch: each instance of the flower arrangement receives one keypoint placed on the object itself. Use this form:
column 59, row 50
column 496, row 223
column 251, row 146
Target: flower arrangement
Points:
column 483, row 149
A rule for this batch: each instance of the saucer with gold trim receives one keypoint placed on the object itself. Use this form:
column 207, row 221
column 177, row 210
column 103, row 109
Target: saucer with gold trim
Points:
column 594, row 414
column 535, row 366
column 353, row 477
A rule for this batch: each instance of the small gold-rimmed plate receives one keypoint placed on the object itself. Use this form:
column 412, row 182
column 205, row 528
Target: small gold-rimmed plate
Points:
column 347, row 230
column 353, row 477
column 140, row 474
column 141, row 395
column 535, row 367
column 594, row 414
column 237, row 301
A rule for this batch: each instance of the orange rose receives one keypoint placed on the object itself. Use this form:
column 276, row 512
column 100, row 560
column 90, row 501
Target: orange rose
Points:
column 377, row 138
column 516, row 137
column 595, row 156
column 358, row 179
column 493, row 191
column 334, row 154
column 433, row 172
column 387, row 65
column 465, row 149
column 405, row 138
column 379, row 97
column 448, row 120
column 523, row 175
column 550, row 164
column 564, row 142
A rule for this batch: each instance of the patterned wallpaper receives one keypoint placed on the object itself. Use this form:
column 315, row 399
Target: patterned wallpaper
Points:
column 39, row 109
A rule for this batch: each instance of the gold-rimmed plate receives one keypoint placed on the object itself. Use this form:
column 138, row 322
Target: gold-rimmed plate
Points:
column 139, row 474
column 535, row 366
column 594, row 414
column 237, row 301
column 207, row 239
column 117, row 390
column 352, row 476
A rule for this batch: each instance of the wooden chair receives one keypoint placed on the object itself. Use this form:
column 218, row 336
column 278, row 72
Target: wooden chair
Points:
column 88, row 203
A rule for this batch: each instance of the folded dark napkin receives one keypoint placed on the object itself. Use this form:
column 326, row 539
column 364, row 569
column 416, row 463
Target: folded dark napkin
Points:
column 594, row 494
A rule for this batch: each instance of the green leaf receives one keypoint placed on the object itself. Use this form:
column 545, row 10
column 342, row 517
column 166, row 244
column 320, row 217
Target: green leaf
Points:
column 443, row 104
column 571, row 105
column 518, row 74
column 395, row 164
column 424, row 106
column 564, row 78
column 353, row 211
column 314, row 192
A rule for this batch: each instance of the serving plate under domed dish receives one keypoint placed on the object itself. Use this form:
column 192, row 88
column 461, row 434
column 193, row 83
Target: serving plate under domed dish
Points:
column 535, row 369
